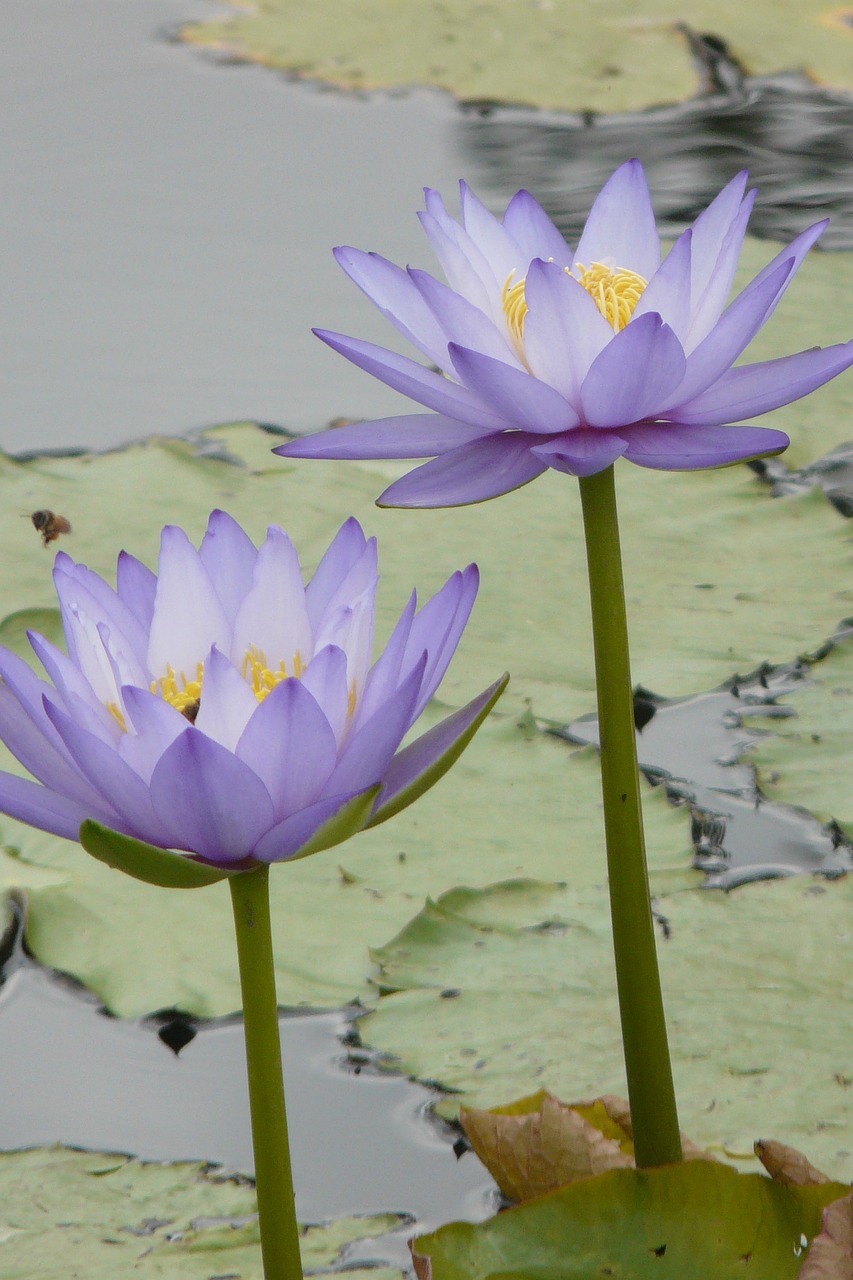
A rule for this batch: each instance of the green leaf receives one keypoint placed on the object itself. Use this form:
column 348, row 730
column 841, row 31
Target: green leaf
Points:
column 106, row 1216
column 496, row 991
column 616, row 60
column 698, row 1219
column 147, row 862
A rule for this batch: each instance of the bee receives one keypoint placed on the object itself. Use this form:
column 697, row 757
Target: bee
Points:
column 50, row 526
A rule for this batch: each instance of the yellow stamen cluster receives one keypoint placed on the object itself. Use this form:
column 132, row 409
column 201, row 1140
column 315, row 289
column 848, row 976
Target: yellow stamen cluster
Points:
column 615, row 291
column 261, row 677
column 186, row 695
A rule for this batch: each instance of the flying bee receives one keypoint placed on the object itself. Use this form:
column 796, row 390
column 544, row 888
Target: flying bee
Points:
column 50, row 526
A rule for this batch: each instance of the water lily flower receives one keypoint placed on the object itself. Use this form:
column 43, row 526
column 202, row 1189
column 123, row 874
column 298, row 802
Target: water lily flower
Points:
column 569, row 359
column 225, row 709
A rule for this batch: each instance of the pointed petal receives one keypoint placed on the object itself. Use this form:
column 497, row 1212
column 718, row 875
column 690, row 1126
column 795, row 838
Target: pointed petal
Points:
column 668, row 292
column 229, row 555
column 533, row 231
column 137, row 586
column 582, row 453
column 344, row 553
column 29, row 802
column 392, row 290
column 325, row 678
column 633, row 375
column 489, row 235
column 463, row 323
column 227, row 702
column 472, row 473
column 564, row 330
column 273, row 618
column 620, row 230
column 416, row 435
column 209, row 801
column 732, row 334
column 188, row 616
column 153, row 725
column 370, row 749
column 318, row 827
column 514, row 395
column 752, row 389
column 419, row 766
column 290, row 745
column 413, row 380
column 40, row 750
column 672, row 447
column 124, row 793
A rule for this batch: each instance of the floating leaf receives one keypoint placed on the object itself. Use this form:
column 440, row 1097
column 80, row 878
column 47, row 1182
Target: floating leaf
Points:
column 697, row 1219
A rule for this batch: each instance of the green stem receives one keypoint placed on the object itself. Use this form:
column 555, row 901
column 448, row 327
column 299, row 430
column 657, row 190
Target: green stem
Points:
column 650, row 1088
column 273, row 1177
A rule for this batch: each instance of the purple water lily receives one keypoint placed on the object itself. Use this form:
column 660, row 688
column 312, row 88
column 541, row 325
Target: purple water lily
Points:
column 554, row 358
column 224, row 708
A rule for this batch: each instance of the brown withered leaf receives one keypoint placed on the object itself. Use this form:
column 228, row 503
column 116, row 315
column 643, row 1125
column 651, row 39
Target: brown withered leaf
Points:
column 831, row 1254
column 787, row 1165
column 538, row 1144
column 534, row 1152
column 421, row 1262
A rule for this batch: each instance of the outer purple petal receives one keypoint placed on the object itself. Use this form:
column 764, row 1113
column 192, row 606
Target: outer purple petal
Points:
column 326, row 679
column 715, row 257
column 227, row 702
column 672, row 447
column 370, row 749
column 391, row 289
column 209, row 801
column 463, row 323
column 535, row 234
column 154, row 724
column 582, row 453
column 419, row 766
column 79, row 588
column 620, row 229
column 289, row 744
column 732, row 334
column 125, row 795
column 488, row 234
column 318, row 827
column 752, row 389
column 633, row 375
column 40, row 750
column 417, row 435
column 29, row 802
column 472, row 473
column 516, row 396
column 414, row 381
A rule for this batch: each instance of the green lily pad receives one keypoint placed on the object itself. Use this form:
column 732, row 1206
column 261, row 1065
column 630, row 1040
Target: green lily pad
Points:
column 699, row 1220
column 106, row 1215
column 807, row 760
column 557, row 54
column 142, row 948
column 751, row 988
column 720, row 578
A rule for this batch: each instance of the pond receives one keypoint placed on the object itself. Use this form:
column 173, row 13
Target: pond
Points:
column 167, row 237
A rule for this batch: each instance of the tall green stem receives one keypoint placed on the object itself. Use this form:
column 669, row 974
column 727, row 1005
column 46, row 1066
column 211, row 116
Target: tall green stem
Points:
column 273, row 1176
column 650, row 1087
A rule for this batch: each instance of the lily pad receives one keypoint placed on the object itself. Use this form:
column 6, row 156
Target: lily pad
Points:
column 700, row 1220
column 557, row 54
column 78, row 1214
column 807, row 760
column 751, row 989
column 143, row 948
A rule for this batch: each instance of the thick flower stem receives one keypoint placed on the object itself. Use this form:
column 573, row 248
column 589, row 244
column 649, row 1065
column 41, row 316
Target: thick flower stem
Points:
column 274, row 1180
column 650, row 1087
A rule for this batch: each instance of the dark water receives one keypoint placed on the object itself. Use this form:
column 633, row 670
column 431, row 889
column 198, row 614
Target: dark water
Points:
column 362, row 1139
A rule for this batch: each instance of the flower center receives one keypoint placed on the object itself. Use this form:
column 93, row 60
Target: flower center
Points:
column 614, row 290
column 185, row 695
